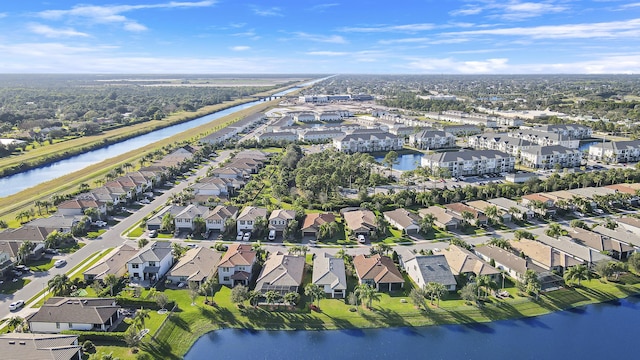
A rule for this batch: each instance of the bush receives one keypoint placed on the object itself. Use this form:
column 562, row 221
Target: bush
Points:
column 84, row 336
column 88, row 347
column 137, row 303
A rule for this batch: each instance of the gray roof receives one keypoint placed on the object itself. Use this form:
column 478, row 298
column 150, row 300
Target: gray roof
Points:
column 434, row 268
column 27, row 346
column 619, row 145
column 426, row 134
column 113, row 263
column 281, row 271
column 252, row 212
column 197, row 264
column 153, row 251
column 329, row 270
column 508, row 259
column 569, row 247
column 550, row 150
column 467, row 155
column 76, row 310
column 171, row 209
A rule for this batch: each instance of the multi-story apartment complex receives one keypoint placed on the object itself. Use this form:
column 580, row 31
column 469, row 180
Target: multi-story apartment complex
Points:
column 573, row 131
column 432, row 139
column 368, row 140
column 500, row 142
column 546, row 138
column 616, row 151
column 465, row 118
column 548, row 157
column 469, row 163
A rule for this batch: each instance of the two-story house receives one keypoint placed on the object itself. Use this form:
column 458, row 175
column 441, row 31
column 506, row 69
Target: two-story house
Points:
column 236, row 265
column 150, row 263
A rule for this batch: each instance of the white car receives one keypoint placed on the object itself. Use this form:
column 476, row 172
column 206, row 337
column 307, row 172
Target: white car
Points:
column 240, row 235
column 60, row 263
column 246, row 236
column 361, row 239
column 598, row 211
column 100, row 223
column 16, row 305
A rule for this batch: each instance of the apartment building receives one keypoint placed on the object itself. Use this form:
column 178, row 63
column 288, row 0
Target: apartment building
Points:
column 470, row 162
column 547, row 157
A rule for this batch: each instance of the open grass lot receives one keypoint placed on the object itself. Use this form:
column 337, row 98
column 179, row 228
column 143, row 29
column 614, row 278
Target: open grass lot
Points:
column 190, row 322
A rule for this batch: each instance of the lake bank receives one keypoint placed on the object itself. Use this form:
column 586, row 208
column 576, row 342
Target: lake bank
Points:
column 559, row 335
column 186, row 326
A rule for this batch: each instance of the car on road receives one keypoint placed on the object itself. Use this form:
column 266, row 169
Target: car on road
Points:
column 22, row 268
column 16, row 305
column 246, row 236
column 192, row 246
column 361, row 239
column 60, row 263
column 579, row 214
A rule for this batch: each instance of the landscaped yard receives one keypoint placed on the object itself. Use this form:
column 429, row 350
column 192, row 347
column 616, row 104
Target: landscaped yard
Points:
column 9, row 287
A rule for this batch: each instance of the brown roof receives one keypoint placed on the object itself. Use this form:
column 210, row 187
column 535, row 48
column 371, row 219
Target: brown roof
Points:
column 238, row 255
column 635, row 222
column 441, row 214
column 360, row 219
column 197, row 264
column 459, row 208
column 623, row 188
column 380, row 269
column 316, row 219
column 597, row 241
column 462, row 261
column 403, row 217
column 281, row 270
column 539, row 197
column 24, row 233
column 113, row 263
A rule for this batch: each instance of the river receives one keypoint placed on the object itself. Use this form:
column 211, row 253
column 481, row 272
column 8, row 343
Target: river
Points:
column 599, row 331
column 15, row 183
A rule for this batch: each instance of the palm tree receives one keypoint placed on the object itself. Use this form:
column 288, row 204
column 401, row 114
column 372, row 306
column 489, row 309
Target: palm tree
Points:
column 554, row 230
column 514, row 211
column 291, row 297
column 382, row 248
column 140, row 317
column 467, row 216
column 438, row 291
column 491, row 212
column 578, row 272
column 315, row 292
column 111, row 281
column 24, row 250
column 60, row 284
column 610, row 223
column 367, row 294
column 500, row 242
column 15, row 322
column 426, row 223
column 272, row 296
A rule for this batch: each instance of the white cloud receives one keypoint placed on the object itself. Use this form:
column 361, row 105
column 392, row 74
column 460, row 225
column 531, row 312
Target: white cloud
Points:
column 335, row 39
column 272, row 11
column 3, row 15
column 408, row 28
column 112, row 14
column 449, row 65
column 322, row 7
column 327, row 53
column 240, row 48
column 50, row 32
column 511, row 10
column 614, row 29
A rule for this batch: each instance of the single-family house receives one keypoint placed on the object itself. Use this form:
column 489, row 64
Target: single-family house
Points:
column 378, row 271
column 280, row 219
column 185, row 220
column 482, row 206
column 195, row 266
column 236, row 265
column 247, row 218
column 360, row 222
column 150, row 263
column 312, row 222
column 577, row 251
column 329, row 273
column 155, row 222
column 443, row 219
column 505, row 260
column 629, row 223
column 544, row 255
column 89, row 314
column 218, row 216
column 424, row 269
column 479, row 218
column 404, row 220
column 40, row 346
column 114, row 263
column 516, row 210
column 601, row 243
column 282, row 273
column 465, row 263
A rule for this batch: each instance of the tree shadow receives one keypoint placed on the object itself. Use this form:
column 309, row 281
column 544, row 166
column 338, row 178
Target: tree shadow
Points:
column 159, row 350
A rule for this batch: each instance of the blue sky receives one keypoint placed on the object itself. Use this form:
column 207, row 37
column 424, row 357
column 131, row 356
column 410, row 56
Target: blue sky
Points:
column 332, row 36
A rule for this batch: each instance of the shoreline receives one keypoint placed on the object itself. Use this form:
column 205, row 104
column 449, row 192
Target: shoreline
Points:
column 516, row 308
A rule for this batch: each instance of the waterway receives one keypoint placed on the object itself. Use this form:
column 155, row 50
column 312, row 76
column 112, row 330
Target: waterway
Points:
column 405, row 161
column 600, row 331
column 13, row 184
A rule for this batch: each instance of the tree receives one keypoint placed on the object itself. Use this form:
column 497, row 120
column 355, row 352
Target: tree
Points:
column 254, row 297
column 491, row 212
column 367, row 294
column 554, row 230
column 168, row 225
column 209, row 286
column 199, row 225
column 390, row 159
column 24, row 251
column 469, row 293
column 260, row 225
column 522, row 234
column 468, row 217
column 382, row 248
column 426, row 223
column 530, row 283
column 315, row 292
column 291, row 297
column 142, row 243
column 239, row 294
column 634, row 261
column 272, row 296
column 577, row 273
column 60, row 285
column 417, row 297
column 485, row 283
column 162, row 300
column 610, row 223
column 500, row 242
column 194, row 291
column 131, row 337
column 178, row 250
column 111, row 281
column 140, row 318
column 576, row 223
column 15, row 323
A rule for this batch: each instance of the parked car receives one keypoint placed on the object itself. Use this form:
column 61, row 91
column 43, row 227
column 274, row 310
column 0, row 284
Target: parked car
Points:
column 100, row 223
column 361, row 239
column 60, row 263
column 153, row 233
column 22, row 268
column 51, row 251
column 16, row 305
column 598, row 211
column 240, row 235
column 272, row 235
column 246, row 236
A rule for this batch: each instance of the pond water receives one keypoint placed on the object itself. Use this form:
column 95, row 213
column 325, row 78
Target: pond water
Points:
column 599, row 331
column 405, row 161
column 13, row 184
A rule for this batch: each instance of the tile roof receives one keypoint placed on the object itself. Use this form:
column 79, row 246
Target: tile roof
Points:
column 76, row 310
column 329, row 270
column 26, row 346
column 463, row 261
column 380, row 269
column 196, row 264
column 281, row 271
column 238, row 255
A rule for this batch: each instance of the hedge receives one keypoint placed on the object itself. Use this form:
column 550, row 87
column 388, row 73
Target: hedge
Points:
column 96, row 335
column 140, row 303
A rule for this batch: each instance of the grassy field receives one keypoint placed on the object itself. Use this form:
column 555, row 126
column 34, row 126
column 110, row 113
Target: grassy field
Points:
column 190, row 322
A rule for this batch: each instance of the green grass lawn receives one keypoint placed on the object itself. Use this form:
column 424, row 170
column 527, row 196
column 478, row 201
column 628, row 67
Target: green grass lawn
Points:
column 43, row 264
column 9, row 287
